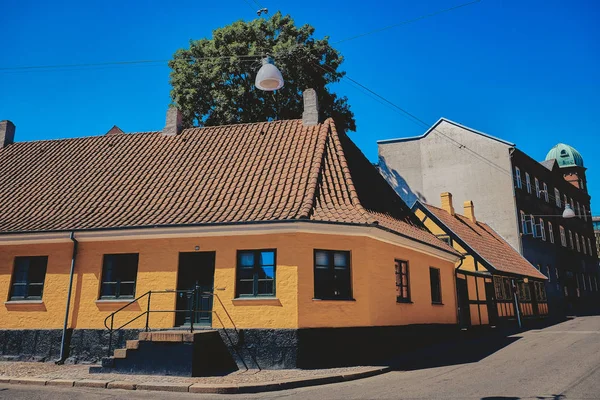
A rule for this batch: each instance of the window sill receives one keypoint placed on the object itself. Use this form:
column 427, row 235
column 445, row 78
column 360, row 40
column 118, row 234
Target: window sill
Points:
column 404, row 302
column 24, row 302
column 436, row 303
column 115, row 300
column 334, row 299
column 256, row 301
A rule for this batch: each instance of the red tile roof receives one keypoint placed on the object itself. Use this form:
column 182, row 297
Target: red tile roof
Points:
column 271, row 171
column 486, row 243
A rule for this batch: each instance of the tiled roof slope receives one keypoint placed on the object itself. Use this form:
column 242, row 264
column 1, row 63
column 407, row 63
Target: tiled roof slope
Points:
column 272, row 171
column 487, row 243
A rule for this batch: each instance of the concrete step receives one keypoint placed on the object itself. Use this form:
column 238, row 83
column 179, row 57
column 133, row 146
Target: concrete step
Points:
column 175, row 336
column 108, row 362
column 120, row 353
column 132, row 344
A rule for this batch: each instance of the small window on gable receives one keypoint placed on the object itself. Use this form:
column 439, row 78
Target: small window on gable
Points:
column 119, row 274
column 446, row 239
column 28, row 278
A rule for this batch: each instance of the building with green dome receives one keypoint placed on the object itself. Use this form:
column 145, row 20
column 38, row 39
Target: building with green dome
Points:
column 521, row 198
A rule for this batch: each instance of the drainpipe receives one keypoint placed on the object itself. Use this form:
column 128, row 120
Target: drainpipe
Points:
column 517, row 312
column 63, row 342
column 456, row 291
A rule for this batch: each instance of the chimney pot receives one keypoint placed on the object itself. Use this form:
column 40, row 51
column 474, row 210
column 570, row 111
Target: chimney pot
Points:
column 447, row 202
column 174, row 123
column 310, row 116
column 7, row 133
column 470, row 211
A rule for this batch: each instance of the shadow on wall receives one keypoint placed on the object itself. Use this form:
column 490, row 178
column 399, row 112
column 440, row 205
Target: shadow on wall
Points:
column 399, row 184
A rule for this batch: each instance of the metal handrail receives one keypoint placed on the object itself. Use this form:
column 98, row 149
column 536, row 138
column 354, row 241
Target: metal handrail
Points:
column 111, row 329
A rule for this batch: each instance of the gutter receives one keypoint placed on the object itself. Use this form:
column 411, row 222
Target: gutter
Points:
column 63, row 341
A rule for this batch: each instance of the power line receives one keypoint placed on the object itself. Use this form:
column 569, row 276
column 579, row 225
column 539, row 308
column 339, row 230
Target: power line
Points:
column 413, row 118
column 289, row 50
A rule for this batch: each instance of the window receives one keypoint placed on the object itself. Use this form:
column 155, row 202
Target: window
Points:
column 436, row 285
column 572, row 204
column 583, row 281
column 566, row 201
column 578, row 210
column 590, row 246
column 446, row 239
column 540, row 291
column 518, row 178
column 402, row 282
column 119, row 272
column 528, row 182
column 590, row 281
column 546, row 195
column 523, row 291
column 551, row 232
column 563, row 237
column 255, row 273
column 557, row 198
column 577, row 242
column 332, row 275
column 498, row 288
column 526, row 224
column 583, row 245
column 596, row 283
column 28, row 278
column 571, row 239
column 556, row 273
column 584, row 213
column 537, row 188
column 548, row 273
column 542, row 229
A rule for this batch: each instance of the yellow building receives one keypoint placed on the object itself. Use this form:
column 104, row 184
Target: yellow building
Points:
column 281, row 233
column 492, row 278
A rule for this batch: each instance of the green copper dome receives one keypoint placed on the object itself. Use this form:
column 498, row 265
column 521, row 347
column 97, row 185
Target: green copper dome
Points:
column 565, row 155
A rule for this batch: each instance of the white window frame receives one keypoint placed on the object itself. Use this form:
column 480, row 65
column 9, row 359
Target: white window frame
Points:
column 557, row 198
column 537, row 188
column 578, row 211
column 584, row 213
column 518, row 178
column 577, row 242
column 565, row 199
column 563, row 236
column 551, row 232
column 548, row 274
column 543, row 229
column 546, row 196
column 528, row 182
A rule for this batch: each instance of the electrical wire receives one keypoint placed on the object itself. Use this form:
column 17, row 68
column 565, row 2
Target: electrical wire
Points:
column 289, row 50
column 458, row 144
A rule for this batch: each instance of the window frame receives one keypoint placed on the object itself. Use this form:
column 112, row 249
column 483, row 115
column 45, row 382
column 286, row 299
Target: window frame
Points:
column 27, row 282
column 439, row 278
column 546, row 195
column 256, row 268
column 118, row 283
column 563, row 236
column 528, row 182
column 572, row 245
column 404, row 281
column 551, row 232
column 557, row 198
column 537, row 188
column 518, row 178
column 577, row 242
column 543, row 229
column 331, row 271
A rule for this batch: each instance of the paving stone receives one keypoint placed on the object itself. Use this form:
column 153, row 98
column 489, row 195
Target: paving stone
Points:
column 93, row 383
column 122, row 385
column 61, row 382
column 164, row 387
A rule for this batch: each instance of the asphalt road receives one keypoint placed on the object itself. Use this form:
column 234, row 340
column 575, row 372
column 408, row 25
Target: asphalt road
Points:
column 559, row 362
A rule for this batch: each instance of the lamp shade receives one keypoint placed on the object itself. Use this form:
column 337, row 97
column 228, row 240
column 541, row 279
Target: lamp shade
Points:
column 268, row 77
column 568, row 213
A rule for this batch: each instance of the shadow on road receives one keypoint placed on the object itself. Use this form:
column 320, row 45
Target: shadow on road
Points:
column 551, row 397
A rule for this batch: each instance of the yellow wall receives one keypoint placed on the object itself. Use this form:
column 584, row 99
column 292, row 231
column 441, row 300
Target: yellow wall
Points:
column 372, row 268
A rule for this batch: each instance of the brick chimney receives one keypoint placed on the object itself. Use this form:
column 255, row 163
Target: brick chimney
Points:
column 310, row 116
column 174, row 123
column 447, row 202
column 470, row 211
column 7, row 133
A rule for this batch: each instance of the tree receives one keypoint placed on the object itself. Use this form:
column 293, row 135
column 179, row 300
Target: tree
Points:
column 213, row 80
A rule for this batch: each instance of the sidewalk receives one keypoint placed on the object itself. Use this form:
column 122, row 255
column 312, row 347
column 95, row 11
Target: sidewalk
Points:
column 251, row 381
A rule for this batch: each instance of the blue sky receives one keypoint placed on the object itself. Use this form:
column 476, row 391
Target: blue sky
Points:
column 523, row 71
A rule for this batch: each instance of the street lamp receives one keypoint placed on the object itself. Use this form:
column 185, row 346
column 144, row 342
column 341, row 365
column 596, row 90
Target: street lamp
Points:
column 568, row 213
column 268, row 77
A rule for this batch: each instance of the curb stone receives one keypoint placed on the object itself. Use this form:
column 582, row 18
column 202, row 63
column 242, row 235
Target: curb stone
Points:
column 92, row 383
column 29, row 381
column 201, row 387
column 164, row 387
column 61, row 382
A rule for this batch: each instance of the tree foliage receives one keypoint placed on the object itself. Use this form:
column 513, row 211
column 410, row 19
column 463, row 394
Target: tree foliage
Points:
column 213, row 80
